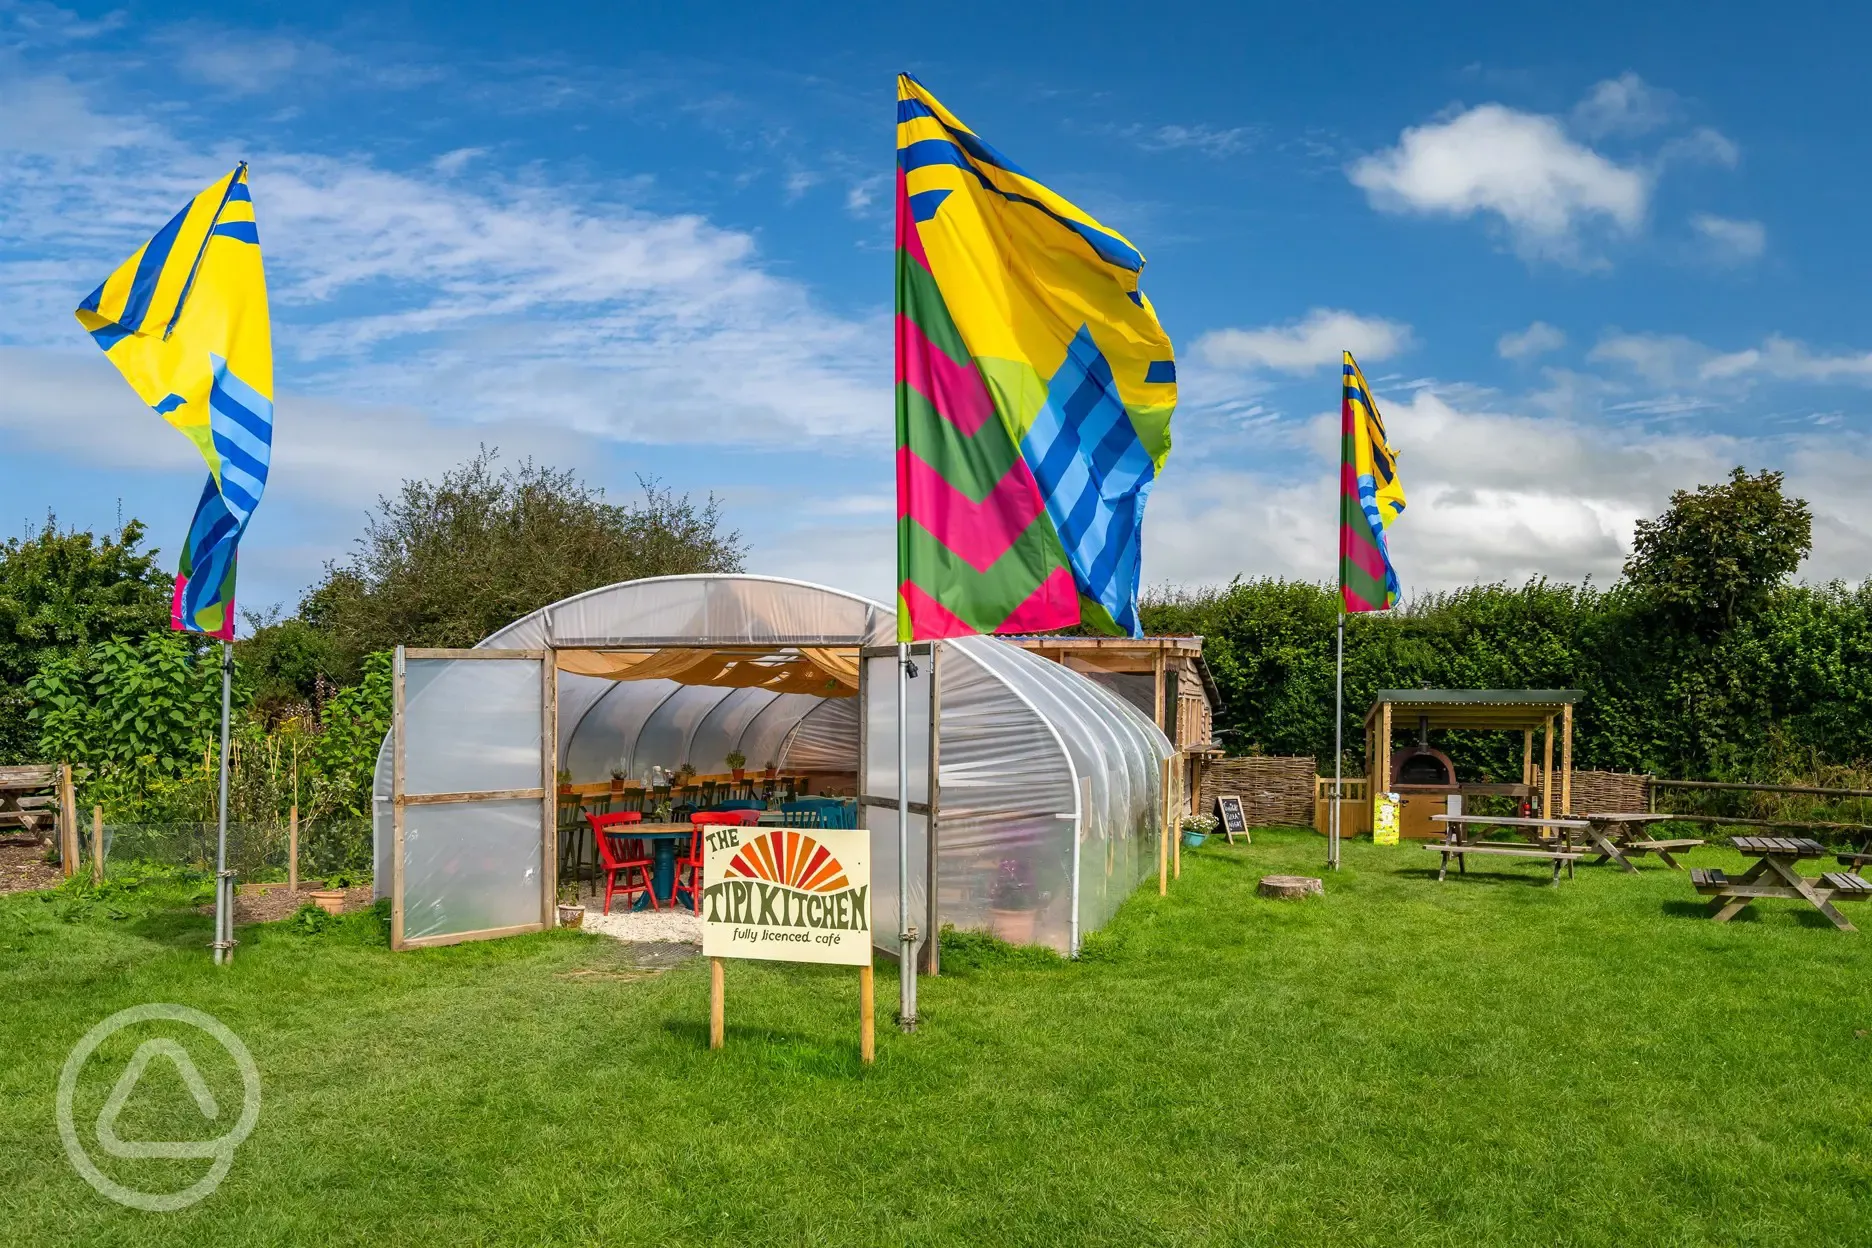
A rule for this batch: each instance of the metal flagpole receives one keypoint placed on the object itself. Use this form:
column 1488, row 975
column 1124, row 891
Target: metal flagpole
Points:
column 224, row 899
column 1338, row 747
column 907, row 933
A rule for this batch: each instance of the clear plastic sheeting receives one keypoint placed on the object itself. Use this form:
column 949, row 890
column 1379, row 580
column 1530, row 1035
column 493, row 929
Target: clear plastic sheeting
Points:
column 473, row 725
column 1050, row 794
column 470, row 867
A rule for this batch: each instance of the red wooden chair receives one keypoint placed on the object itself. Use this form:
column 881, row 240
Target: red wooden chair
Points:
column 692, row 861
column 618, row 855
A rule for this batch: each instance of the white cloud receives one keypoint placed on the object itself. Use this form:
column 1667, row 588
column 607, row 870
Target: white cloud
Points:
column 1674, row 360
column 1520, row 167
column 1302, row 346
column 1626, row 105
column 1494, row 496
column 1207, row 139
column 1729, row 241
column 1537, row 339
column 1702, row 146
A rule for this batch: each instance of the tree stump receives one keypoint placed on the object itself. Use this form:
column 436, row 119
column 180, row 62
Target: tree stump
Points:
column 1291, row 887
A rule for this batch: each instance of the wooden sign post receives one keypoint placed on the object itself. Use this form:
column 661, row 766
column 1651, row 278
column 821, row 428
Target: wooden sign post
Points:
column 788, row 895
column 1231, row 818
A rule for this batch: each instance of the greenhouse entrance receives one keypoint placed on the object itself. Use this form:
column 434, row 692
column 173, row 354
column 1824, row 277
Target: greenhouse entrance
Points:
column 1047, row 807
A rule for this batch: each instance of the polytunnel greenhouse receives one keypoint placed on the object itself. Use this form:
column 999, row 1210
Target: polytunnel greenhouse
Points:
column 1047, row 808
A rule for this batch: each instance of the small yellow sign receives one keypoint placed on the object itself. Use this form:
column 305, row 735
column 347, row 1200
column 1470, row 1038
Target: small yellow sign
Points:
column 1385, row 819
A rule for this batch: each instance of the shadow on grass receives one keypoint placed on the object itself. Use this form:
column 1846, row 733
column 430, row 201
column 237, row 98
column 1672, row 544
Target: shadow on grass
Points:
column 778, row 1051
column 1701, row 910
column 1478, row 876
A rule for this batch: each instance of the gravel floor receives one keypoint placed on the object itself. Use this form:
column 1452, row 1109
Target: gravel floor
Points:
column 674, row 926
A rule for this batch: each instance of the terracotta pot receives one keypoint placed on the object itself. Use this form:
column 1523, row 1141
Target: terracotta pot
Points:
column 330, row 900
column 571, row 916
column 740, row 774
column 1014, row 926
column 617, row 785
column 769, row 774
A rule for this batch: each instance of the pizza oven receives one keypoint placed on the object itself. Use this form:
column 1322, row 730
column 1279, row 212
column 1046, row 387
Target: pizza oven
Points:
column 1424, row 780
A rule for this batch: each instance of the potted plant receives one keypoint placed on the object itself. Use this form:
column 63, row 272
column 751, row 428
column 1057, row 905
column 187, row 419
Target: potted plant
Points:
column 617, row 779
column 1014, row 903
column 771, row 770
column 331, row 898
column 565, row 782
column 685, row 774
column 1196, row 830
column 737, row 766
column 571, row 913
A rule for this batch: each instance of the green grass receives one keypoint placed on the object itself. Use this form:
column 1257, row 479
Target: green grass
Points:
column 1488, row 1061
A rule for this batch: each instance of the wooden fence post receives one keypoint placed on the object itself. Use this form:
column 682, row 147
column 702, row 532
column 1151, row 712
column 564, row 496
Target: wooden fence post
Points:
column 68, row 822
column 867, row 1009
column 716, row 1021
column 1163, row 832
column 1176, row 815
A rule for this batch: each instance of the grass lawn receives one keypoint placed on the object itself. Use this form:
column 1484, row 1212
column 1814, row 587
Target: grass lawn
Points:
column 1488, row 1061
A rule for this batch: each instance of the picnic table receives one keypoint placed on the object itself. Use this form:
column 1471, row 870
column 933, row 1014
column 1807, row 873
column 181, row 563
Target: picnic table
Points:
column 1461, row 840
column 1622, row 837
column 1779, row 860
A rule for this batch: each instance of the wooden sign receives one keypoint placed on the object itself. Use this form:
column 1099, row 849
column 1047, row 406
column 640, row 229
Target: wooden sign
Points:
column 787, row 895
column 1230, row 816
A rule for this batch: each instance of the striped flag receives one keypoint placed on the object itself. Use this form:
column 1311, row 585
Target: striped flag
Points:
column 1034, row 393
column 1370, row 498
column 185, row 321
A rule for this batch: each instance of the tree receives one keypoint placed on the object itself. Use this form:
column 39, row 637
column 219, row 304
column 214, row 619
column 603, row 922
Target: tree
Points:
column 62, row 591
column 1720, row 550
column 445, row 563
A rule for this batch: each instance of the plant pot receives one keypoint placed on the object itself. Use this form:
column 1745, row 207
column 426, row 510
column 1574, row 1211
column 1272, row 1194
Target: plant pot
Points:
column 617, row 785
column 769, row 774
column 330, row 900
column 565, row 790
column 1014, row 926
column 1194, row 840
column 571, row 916
column 740, row 774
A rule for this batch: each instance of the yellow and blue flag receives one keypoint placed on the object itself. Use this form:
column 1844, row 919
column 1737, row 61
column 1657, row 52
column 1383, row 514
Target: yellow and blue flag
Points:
column 1034, row 392
column 1371, row 496
column 185, row 321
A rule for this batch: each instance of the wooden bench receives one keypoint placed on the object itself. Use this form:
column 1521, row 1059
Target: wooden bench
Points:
column 1708, row 879
column 1460, row 850
column 1846, row 885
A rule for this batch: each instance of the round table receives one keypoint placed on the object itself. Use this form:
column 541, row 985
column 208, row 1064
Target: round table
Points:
column 665, row 840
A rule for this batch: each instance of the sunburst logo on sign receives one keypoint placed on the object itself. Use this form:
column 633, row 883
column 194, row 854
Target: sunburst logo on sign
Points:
column 787, row 894
column 792, row 859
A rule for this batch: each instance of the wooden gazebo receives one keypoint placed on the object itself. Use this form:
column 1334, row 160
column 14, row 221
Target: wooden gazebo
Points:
column 1526, row 711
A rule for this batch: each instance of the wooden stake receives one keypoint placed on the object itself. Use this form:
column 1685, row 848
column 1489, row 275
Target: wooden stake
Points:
column 867, row 1030
column 1176, row 815
column 68, row 822
column 1546, row 801
column 292, row 850
column 1163, row 834
column 97, row 844
column 716, row 1026
column 1566, row 760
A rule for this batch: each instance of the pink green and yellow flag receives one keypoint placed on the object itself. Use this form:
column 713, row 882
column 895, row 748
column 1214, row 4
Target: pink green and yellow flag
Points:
column 1034, row 393
column 1370, row 498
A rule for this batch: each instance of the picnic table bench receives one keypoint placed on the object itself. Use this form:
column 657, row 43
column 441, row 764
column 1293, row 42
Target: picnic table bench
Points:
column 1778, row 861
column 1621, row 837
column 1460, row 841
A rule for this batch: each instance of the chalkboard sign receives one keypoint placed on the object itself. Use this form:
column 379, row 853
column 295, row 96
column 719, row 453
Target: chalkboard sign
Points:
column 1231, row 817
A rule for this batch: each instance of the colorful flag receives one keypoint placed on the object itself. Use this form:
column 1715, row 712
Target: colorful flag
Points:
column 1370, row 498
column 1034, row 393
column 184, row 319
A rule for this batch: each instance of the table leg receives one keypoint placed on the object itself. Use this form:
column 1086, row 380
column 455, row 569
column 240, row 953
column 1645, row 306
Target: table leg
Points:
column 1725, row 907
column 1442, row 872
column 1789, row 871
column 1609, row 849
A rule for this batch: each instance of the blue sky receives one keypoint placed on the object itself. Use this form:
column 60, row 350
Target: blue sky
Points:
column 1587, row 255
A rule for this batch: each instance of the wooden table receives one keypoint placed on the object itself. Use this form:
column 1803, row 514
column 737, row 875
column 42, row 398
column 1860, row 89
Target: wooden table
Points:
column 1460, row 841
column 1621, row 837
column 665, row 839
column 1779, row 858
